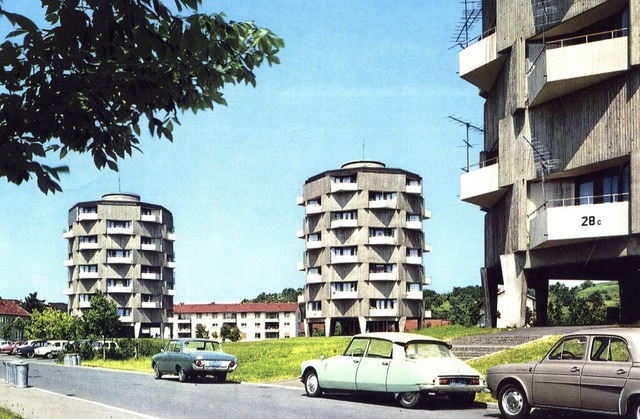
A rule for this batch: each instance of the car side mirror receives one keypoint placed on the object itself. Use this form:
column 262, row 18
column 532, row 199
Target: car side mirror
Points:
column 449, row 346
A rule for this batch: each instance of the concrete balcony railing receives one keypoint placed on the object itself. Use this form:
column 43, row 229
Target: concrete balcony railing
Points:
column 300, row 234
column 68, row 234
column 480, row 63
column 569, row 65
column 383, row 312
column 344, row 259
column 314, row 278
column 415, row 189
column 120, row 230
column 314, row 244
column 383, row 276
column 344, row 295
column 171, row 236
column 414, row 225
column 555, row 226
column 314, row 314
column 151, row 275
column 150, row 304
column 88, row 275
column 414, row 295
column 384, row 203
column 87, row 216
column 67, row 291
column 67, row 263
column 313, row 209
column 346, row 186
column 414, row 260
column 88, row 246
column 383, row 240
column 342, row 223
column 152, row 247
column 126, row 319
column 120, row 289
column 84, row 304
column 151, row 218
column 480, row 186
column 300, row 200
column 300, row 266
column 120, row 259
column 170, row 292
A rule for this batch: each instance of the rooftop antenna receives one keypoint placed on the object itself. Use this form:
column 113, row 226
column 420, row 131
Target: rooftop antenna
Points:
column 472, row 13
column 363, row 148
column 470, row 127
column 542, row 161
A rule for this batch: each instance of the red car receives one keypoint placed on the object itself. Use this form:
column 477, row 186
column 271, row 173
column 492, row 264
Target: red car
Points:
column 9, row 349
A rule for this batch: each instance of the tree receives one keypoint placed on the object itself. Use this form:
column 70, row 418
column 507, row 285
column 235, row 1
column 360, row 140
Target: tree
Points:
column 19, row 325
column 52, row 324
column 102, row 319
column 466, row 305
column 31, row 302
column 229, row 332
column 101, row 68
column 288, row 295
column 5, row 330
column 201, row 331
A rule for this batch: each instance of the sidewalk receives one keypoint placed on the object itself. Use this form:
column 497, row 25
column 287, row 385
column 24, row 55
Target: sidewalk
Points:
column 35, row 403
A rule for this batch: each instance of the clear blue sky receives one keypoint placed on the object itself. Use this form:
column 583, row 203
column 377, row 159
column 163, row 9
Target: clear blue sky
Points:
column 378, row 72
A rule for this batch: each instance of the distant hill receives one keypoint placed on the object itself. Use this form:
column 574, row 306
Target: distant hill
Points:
column 609, row 290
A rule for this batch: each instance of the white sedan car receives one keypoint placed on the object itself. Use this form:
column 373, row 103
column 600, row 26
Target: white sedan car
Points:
column 50, row 349
column 406, row 365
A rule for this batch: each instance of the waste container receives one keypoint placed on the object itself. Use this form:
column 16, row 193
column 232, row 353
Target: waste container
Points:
column 22, row 374
column 10, row 372
column 72, row 359
column 7, row 371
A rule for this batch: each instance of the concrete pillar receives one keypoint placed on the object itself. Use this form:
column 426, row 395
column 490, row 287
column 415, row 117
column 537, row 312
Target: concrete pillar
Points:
column 363, row 324
column 327, row 327
column 402, row 323
column 490, row 288
column 512, row 307
column 137, row 326
column 629, row 297
column 541, row 287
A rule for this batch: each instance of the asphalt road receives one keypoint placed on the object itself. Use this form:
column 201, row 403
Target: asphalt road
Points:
column 206, row 398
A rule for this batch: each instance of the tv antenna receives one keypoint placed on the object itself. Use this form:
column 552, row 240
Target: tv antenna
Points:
column 470, row 127
column 542, row 161
column 472, row 13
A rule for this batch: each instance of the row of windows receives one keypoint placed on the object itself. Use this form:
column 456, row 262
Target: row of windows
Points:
column 353, row 179
column 145, row 269
column 374, row 303
column 257, row 315
column 374, row 268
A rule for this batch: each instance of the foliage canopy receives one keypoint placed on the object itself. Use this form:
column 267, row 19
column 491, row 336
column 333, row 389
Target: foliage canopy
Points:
column 102, row 68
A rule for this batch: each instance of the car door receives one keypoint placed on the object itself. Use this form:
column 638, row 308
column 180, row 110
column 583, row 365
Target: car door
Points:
column 371, row 374
column 340, row 371
column 605, row 373
column 556, row 379
column 164, row 360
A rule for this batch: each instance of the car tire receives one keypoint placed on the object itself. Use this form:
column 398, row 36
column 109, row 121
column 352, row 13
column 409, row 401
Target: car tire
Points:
column 156, row 372
column 409, row 399
column 634, row 410
column 221, row 376
column 512, row 402
column 49, row 355
column 182, row 376
column 31, row 354
column 312, row 384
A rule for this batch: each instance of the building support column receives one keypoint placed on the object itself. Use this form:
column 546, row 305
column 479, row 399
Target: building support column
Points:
column 137, row 326
column 327, row 327
column 490, row 288
column 402, row 324
column 629, row 297
column 541, row 287
column 513, row 307
column 363, row 324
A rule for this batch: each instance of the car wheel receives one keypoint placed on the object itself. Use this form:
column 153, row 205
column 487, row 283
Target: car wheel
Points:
column 312, row 385
column 49, row 355
column 512, row 402
column 31, row 354
column 221, row 376
column 182, row 376
column 156, row 372
column 634, row 410
column 409, row 399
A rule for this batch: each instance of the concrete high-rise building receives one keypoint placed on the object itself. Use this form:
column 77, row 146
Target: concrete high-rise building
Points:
column 124, row 248
column 559, row 174
column 364, row 245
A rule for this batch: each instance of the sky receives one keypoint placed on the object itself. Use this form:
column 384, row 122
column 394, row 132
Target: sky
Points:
column 357, row 79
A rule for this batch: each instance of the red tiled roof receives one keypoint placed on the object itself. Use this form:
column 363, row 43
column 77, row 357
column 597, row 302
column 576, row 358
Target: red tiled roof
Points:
column 235, row 308
column 12, row 308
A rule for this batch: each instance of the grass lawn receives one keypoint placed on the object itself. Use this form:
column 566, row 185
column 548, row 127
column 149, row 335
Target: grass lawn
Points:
column 8, row 414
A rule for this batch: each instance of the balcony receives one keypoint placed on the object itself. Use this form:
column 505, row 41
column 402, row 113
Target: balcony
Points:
column 126, row 319
column 343, row 186
column 170, row 264
column 383, row 276
column 151, row 218
column 426, row 248
column 414, row 225
column 344, row 259
column 480, row 186
column 120, row 259
column 344, row 223
column 68, row 234
column 383, row 312
column 413, row 260
column 314, row 244
column 314, row 314
column 480, row 63
column 384, row 203
column 300, row 200
column 84, row 304
column 67, row 291
column 119, row 290
column 120, row 230
column 88, row 246
column 314, row 278
column 569, row 65
column 67, row 263
column 313, row 209
column 150, row 304
column 171, row 293
column 344, row 295
column 426, row 214
column 556, row 226
column 300, row 234
column 300, row 266
column 383, row 240
column 414, row 295
column 171, row 236
column 87, row 216
column 154, row 276
column 88, row 275
column 415, row 189
column 155, row 246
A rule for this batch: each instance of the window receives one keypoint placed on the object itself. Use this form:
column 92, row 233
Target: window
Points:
column 314, row 271
column 570, row 348
column 124, row 312
column 118, row 224
column 413, row 217
column 84, row 298
column 314, row 202
column 257, row 315
column 315, row 237
column 382, row 196
column 379, row 348
column 146, row 298
column 89, row 239
column 118, row 253
column 413, row 252
column 382, row 232
column 150, row 269
column 414, row 287
column 344, row 179
column 118, row 282
column 382, row 304
column 147, row 240
column 314, row 306
column 344, row 286
column 243, row 315
column 344, row 215
column 610, row 185
column 88, row 210
column 198, row 315
column 89, row 268
column 413, row 182
column 243, row 325
column 357, row 347
column 609, row 349
column 258, row 335
column 382, row 268
column 345, row 251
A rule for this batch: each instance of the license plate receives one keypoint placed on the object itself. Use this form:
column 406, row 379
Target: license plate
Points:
column 212, row 365
column 457, row 383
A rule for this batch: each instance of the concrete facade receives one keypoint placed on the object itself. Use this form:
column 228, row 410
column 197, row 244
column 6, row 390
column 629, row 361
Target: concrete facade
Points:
column 256, row 321
column 364, row 246
column 558, row 174
column 124, row 248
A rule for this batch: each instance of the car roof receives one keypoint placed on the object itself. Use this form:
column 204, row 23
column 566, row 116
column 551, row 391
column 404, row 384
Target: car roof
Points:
column 196, row 340
column 631, row 334
column 398, row 337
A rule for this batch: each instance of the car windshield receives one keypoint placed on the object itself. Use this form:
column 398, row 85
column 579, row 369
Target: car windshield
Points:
column 201, row 345
column 416, row 350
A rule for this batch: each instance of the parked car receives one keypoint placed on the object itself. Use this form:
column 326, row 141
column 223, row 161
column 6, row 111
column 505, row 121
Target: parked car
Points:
column 591, row 370
column 28, row 349
column 4, row 343
column 406, row 365
column 189, row 358
column 10, row 348
column 51, row 349
column 109, row 344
